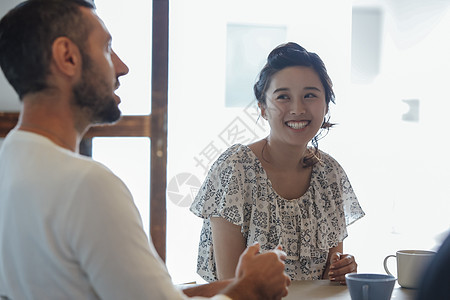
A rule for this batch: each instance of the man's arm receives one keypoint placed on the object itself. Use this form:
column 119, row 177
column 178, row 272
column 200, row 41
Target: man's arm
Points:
column 207, row 290
column 258, row 277
column 105, row 233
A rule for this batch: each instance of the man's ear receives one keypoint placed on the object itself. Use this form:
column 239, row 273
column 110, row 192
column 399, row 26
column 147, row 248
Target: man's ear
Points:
column 66, row 56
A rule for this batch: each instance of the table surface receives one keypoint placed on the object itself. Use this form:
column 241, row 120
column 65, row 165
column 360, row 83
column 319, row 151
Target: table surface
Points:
column 324, row 289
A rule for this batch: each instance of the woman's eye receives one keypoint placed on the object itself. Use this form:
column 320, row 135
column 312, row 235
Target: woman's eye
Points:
column 283, row 97
column 310, row 95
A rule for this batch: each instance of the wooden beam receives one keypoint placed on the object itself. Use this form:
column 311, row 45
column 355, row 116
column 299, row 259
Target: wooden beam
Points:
column 7, row 122
column 133, row 126
column 158, row 170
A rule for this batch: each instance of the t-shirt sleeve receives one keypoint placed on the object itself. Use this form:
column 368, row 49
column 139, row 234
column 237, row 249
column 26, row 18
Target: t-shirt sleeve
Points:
column 105, row 234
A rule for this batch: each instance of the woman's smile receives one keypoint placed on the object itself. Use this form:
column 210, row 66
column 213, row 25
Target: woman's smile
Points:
column 297, row 124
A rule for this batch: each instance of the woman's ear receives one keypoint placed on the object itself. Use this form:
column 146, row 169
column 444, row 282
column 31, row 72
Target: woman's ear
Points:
column 263, row 110
column 66, row 56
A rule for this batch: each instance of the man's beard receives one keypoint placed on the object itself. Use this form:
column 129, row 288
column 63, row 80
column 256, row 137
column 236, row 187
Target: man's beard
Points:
column 93, row 95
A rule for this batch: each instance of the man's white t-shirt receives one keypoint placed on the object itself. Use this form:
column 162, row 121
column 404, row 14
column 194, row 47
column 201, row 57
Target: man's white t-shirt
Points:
column 69, row 229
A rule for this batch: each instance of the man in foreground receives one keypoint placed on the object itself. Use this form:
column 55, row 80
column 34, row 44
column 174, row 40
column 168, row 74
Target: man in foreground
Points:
column 68, row 226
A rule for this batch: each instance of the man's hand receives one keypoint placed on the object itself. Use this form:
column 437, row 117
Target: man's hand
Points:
column 260, row 276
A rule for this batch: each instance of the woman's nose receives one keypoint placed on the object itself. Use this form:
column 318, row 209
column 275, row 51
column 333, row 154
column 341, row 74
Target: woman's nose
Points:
column 297, row 107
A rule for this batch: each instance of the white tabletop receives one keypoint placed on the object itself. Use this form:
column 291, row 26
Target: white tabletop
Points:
column 324, row 289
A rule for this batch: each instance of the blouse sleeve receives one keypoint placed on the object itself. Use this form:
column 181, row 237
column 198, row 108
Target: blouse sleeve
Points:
column 343, row 193
column 222, row 192
column 334, row 202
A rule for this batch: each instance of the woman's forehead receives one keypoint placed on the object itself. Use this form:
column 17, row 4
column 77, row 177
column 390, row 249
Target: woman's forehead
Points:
column 295, row 76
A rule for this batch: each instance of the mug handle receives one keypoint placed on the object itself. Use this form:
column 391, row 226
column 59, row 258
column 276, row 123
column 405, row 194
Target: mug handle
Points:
column 365, row 292
column 385, row 264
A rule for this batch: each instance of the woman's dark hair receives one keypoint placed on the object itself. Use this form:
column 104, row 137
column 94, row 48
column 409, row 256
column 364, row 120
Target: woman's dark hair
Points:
column 27, row 33
column 289, row 55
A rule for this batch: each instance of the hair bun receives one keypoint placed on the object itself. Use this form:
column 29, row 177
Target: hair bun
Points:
column 285, row 48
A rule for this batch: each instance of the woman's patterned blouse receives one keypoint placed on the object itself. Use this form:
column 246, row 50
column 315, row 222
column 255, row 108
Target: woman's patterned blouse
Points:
column 237, row 189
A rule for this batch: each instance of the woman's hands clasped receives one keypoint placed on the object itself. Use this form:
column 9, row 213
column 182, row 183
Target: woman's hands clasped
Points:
column 341, row 264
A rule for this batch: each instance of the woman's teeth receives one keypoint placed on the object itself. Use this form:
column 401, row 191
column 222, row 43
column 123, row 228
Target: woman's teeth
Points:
column 297, row 124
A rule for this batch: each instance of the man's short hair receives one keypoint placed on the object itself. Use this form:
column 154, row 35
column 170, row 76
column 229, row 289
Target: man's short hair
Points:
column 27, row 33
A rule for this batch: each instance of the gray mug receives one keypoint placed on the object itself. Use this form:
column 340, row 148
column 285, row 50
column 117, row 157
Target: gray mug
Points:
column 370, row 286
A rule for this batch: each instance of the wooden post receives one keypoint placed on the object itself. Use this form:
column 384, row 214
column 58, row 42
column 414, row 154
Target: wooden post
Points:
column 158, row 173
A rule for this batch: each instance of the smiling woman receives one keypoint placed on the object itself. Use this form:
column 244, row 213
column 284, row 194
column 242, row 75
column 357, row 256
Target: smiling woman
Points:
column 203, row 120
column 295, row 197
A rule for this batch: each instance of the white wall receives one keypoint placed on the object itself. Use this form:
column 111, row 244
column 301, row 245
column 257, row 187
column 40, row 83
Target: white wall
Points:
column 398, row 168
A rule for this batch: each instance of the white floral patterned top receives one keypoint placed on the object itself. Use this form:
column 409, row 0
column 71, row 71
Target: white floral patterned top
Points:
column 237, row 189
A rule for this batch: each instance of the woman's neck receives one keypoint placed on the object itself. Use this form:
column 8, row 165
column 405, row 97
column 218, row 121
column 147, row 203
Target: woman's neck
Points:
column 282, row 155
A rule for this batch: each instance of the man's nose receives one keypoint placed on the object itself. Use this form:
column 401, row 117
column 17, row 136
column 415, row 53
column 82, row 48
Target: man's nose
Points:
column 120, row 67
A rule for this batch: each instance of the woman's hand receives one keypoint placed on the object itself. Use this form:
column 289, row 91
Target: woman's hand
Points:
column 341, row 264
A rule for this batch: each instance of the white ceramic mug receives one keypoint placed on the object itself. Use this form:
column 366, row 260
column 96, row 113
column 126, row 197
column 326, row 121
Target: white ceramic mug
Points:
column 410, row 266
